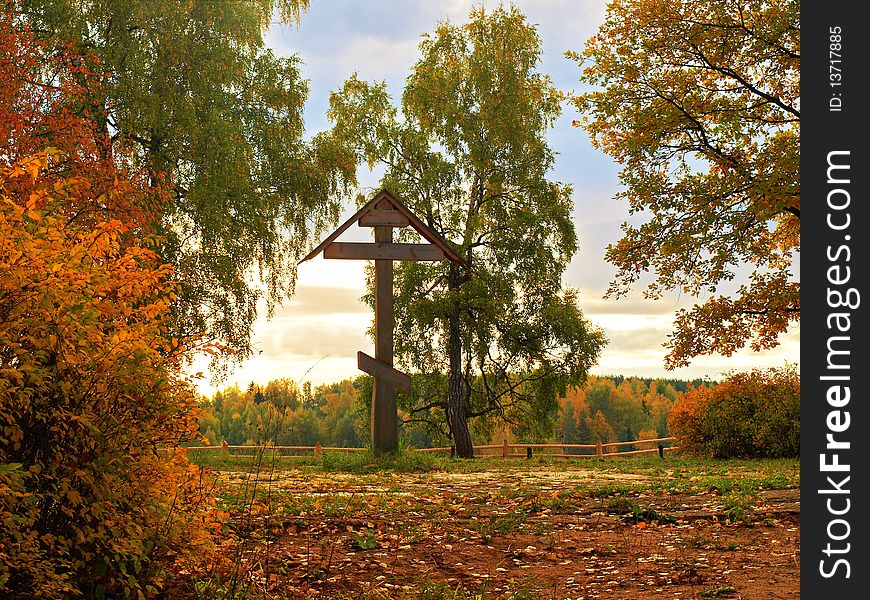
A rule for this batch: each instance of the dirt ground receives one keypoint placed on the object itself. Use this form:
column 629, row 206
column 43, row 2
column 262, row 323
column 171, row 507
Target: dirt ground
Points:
column 536, row 534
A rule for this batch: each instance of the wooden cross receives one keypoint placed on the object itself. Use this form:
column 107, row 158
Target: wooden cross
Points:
column 383, row 213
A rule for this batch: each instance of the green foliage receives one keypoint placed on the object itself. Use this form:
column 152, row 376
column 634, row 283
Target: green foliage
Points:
column 632, row 513
column 403, row 461
column 738, row 506
column 280, row 414
column 338, row 414
column 188, row 90
column 467, row 152
column 366, row 540
column 749, row 415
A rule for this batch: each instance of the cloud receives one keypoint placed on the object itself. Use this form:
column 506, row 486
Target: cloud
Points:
column 637, row 340
column 594, row 305
column 333, row 335
column 320, row 320
column 640, row 353
column 375, row 57
column 322, row 273
column 312, row 300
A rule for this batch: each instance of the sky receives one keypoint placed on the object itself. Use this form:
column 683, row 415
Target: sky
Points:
column 314, row 336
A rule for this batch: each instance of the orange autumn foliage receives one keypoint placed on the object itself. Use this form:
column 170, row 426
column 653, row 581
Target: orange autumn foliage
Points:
column 90, row 389
column 755, row 414
column 699, row 102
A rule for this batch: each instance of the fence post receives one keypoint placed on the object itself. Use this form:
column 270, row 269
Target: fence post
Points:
column 452, row 451
column 661, row 450
column 528, row 452
column 505, row 449
column 318, row 449
column 599, row 451
column 225, row 448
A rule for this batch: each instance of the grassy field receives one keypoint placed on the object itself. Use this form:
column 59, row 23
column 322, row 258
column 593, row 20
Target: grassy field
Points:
column 423, row 526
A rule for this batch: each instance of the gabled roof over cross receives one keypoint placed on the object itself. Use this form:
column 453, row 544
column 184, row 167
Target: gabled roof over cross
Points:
column 384, row 210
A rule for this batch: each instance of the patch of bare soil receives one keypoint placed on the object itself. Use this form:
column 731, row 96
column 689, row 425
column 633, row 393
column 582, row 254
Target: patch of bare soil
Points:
column 440, row 538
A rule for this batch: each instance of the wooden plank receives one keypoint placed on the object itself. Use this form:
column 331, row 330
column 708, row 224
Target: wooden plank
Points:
column 382, row 251
column 632, row 452
column 383, row 218
column 384, row 320
column 368, row 205
column 557, row 446
column 426, row 232
column 652, row 441
column 384, row 198
column 384, row 421
column 376, row 368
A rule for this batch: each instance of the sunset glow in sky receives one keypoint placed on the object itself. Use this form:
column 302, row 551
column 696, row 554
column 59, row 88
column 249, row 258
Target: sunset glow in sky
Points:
column 315, row 335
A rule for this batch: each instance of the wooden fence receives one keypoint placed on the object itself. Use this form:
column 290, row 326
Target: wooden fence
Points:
column 504, row 450
column 598, row 450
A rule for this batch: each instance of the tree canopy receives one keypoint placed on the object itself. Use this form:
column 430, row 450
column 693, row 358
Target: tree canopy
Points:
column 188, row 90
column 467, row 153
column 700, row 104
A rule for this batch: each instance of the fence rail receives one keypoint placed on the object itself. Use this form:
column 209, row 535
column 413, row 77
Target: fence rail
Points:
column 504, row 450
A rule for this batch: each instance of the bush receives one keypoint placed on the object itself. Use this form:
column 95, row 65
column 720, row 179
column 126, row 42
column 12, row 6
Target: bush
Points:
column 755, row 414
column 90, row 389
column 647, row 434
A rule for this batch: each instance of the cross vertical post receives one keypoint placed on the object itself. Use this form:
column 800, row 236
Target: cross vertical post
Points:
column 382, row 213
column 384, row 426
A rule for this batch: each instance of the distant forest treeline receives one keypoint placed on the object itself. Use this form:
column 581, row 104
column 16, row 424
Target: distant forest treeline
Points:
column 606, row 408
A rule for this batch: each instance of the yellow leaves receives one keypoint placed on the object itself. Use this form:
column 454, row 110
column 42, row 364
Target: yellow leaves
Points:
column 34, row 200
column 29, row 166
column 120, row 336
column 83, row 307
column 72, row 495
column 671, row 73
column 14, row 256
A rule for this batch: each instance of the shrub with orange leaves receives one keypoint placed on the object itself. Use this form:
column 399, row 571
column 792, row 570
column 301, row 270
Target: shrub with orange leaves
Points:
column 755, row 414
column 90, row 390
